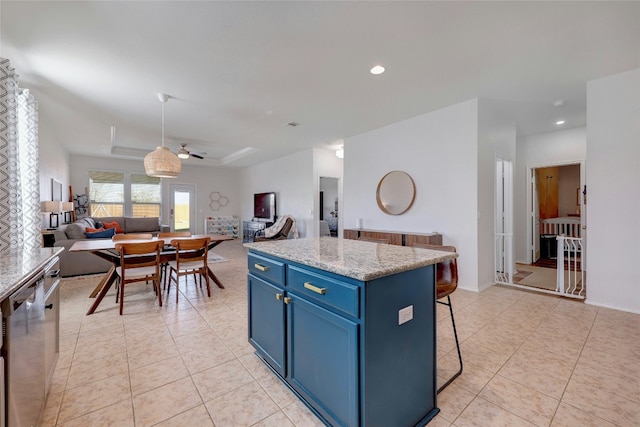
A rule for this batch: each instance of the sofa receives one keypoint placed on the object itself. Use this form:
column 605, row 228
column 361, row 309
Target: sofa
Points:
column 78, row 263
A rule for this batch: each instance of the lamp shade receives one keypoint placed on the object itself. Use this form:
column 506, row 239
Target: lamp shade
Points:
column 162, row 163
column 51, row 206
column 67, row 206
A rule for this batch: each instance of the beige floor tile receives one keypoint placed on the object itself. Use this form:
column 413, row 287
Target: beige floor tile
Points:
column 157, row 374
column 93, row 396
column 545, row 382
column 243, row 406
column 482, row 413
column 453, row 400
column 119, row 414
column 279, row 393
column 197, row 416
column 97, row 369
column 520, row 400
column 51, row 409
column 221, row 379
column 505, row 330
column 490, row 359
column 568, row 416
column 255, row 366
column 599, row 403
column 150, row 353
column 165, row 402
column 473, row 377
column 301, row 416
column 279, row 419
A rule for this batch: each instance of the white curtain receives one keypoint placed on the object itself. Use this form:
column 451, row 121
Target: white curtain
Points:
column 19, row 172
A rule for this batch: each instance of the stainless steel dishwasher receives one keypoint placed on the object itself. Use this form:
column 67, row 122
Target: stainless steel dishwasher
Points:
column 24, row 350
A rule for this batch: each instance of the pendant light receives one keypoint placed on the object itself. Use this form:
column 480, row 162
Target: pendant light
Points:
column 161, row 162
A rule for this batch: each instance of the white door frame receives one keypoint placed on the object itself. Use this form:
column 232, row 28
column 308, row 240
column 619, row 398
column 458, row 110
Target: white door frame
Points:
column 503, row 218
column 531, row 214
column 187, row 188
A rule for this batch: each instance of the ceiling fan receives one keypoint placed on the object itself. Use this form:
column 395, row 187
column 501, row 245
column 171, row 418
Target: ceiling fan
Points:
column 183, row 153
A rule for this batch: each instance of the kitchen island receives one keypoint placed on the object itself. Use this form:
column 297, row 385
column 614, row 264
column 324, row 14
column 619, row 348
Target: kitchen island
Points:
column 349, row 326
column 29, row 299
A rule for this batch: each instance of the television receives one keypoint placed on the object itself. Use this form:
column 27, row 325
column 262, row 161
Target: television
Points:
column 264, row 206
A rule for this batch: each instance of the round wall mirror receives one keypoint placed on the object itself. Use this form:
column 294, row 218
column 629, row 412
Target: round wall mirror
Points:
column 396, row 193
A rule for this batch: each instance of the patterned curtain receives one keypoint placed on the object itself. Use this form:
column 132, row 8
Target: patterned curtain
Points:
column 19, row 174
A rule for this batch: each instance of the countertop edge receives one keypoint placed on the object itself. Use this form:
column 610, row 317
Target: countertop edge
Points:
column 429, row 257
column 6, row 292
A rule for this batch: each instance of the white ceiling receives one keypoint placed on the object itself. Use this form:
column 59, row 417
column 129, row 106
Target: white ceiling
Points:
column 239, row 71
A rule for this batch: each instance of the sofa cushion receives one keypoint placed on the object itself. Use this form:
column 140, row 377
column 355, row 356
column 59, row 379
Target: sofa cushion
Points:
column 104, row 234
column 75, row 230
column 114, row 224
column 138, row 225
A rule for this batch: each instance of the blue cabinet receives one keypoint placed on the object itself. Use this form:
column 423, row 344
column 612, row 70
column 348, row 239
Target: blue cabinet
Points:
column 338, row 342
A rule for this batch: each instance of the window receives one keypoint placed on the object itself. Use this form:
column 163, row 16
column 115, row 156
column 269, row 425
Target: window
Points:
column 145, row 195
column 120, row 194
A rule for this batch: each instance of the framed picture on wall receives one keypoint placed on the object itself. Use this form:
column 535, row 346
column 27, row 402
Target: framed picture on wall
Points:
column 56, row 190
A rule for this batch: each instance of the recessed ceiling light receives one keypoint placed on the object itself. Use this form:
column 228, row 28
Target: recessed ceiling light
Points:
column 558, row 103
column 378, row 69
column 560, row 122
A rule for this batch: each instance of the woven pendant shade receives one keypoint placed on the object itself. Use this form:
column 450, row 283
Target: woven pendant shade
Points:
column 162, row 163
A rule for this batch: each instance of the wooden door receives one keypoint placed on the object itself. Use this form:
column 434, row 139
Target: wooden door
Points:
column 547, row 188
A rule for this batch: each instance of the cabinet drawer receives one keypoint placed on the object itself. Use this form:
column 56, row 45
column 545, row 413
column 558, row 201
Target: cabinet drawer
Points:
column 339, row 295
column 266, row 268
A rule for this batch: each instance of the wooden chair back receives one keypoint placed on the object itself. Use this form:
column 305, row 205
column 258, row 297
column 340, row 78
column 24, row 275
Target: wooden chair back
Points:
column 446, row 271
column 133, row 236
column 171, row 234
column 190, row 250
column 139, row 254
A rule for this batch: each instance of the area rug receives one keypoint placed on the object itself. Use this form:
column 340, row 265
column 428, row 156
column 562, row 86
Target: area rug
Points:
column 214, row 257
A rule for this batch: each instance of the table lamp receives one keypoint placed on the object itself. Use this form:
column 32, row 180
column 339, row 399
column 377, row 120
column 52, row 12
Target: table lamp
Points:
column 53, row 207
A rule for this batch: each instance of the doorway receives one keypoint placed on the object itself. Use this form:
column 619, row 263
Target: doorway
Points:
column 556, row 230
column 328, row 206
column 182, row 209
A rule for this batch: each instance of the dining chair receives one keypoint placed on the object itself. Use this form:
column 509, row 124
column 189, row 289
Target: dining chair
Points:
column 139, row 262
column 446, row 284
column 170, row 235
column 132, row 236
column 129, row 236
column 191, row 259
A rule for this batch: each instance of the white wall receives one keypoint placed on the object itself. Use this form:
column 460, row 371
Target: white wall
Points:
column 496, row 135
column 205, row 179
column 292, row 179
column 613, row 191
column 439, row 151
column 53, row 163
column 551, row 148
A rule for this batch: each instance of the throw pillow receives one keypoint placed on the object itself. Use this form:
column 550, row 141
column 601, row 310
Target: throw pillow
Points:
column 114, row 224
column 99, row 224
column 108, row 233
column 92, row 230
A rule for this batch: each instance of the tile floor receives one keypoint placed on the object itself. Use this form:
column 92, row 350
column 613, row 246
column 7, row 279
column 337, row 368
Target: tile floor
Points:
column 530, row 359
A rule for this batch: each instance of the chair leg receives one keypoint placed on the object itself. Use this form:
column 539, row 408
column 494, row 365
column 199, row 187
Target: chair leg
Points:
column 157, row 285
column 121, row 296
column 455, row 334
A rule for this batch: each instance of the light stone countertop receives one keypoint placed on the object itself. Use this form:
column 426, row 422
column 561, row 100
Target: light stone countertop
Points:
column 351, row 258
column 17, row 267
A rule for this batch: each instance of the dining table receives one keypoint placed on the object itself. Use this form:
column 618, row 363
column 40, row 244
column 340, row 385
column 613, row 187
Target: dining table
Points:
column 105, row 248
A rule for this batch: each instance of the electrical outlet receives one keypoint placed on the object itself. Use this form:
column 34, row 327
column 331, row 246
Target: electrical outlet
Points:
column 405, row 314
